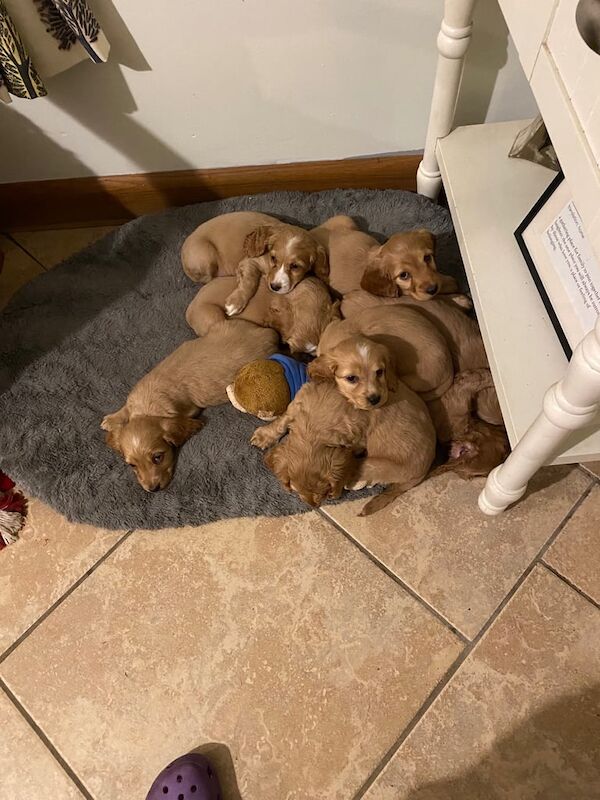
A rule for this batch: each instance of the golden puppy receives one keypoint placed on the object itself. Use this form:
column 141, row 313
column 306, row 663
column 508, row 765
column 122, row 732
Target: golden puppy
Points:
column 250, row 245
column 327, row 434
column 419, row 353
column 460, row 331
column 475, row 446
column 300, row 317
column 315, row 473
column 404, row 265
column 317, row 461
column 216, row 247
column 361, row 369
column 159, row 414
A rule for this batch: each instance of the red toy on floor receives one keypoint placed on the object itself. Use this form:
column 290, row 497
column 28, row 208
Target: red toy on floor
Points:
column 13, row 507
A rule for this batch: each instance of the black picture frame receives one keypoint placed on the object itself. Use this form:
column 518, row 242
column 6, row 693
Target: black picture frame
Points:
column 539, row 205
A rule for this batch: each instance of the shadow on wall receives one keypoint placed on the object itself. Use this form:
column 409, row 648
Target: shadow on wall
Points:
column 553, row 755
column 487, row 55
column 108, row 116
column 34, row 140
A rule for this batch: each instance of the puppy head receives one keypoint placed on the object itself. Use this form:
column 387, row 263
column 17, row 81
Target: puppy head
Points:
column 301, row 316
column 148, row 444
column 405, row 264
column 315, row 472
column 292, row 254
column 478, row 450
column 362, row 371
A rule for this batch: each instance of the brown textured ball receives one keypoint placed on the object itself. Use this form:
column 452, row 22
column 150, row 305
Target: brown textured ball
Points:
column 261, row 389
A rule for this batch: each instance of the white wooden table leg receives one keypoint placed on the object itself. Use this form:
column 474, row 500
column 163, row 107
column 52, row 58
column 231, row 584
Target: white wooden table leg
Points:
column 452, row 42
column 570, row 404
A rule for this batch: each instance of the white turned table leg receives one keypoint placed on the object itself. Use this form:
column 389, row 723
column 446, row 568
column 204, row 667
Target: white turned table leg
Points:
column 570, row 404
column 452, row 43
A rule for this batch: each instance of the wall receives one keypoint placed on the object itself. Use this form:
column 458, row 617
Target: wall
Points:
column 233, row 82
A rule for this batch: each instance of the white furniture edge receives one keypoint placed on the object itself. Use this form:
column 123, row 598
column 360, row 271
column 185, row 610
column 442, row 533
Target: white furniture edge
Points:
column 452, row 43
column 574, row 401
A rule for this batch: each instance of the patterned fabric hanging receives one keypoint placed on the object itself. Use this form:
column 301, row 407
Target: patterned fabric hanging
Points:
column 18, row 73
column 40, row 38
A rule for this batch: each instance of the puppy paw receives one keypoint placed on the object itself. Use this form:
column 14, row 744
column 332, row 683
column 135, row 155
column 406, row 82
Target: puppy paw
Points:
column 356, row 487
column 462, row 301
column 231, row 309
column 235, row 303
column 261, row 438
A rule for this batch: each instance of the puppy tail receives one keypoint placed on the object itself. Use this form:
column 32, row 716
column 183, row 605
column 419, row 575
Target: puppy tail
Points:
column 389, row 494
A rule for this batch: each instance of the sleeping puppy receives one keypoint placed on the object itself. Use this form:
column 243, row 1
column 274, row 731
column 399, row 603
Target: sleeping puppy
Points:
column 216, row 247
column 327, row 434
column 418, row 351
column 404, row 265
column 318, row 458
column 460, row 331
column 475, row 446
column 159, row 414
column 300, row 316
column 249, row 245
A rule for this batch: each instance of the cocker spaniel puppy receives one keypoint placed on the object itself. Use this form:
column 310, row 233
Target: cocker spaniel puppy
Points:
column 160, row 412
column 250, row 245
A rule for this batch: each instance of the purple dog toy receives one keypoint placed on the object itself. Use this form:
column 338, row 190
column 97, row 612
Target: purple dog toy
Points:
column 189, row 777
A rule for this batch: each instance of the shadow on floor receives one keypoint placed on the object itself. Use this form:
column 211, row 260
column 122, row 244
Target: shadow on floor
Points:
column 220, row 758
column 551, row 755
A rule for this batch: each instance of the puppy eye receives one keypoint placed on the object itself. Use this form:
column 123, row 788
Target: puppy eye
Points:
column 352, row 378
column 157, row 458
column 427, row 258
column 294, row 266
column 379, row 372
column 273, row 258
column 404, row 276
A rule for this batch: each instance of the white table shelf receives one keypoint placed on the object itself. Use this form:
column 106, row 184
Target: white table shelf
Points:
column 489, row 195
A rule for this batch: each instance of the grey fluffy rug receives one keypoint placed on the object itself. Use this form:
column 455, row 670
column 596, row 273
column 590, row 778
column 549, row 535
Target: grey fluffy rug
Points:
column 75, row 340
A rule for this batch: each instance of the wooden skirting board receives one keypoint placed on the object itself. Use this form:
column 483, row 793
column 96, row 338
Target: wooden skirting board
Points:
column 77, row 202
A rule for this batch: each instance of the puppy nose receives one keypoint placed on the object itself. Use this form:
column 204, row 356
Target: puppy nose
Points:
column 432, row 289
column 374, row 399
column 275, row 287
column 154, row 488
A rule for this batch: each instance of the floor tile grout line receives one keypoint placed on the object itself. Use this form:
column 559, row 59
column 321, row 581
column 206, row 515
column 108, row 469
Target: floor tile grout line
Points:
column 11, row 648
column 469, row 648
column 26, row 251
column 415, row 719
column 391, row 574
column 570, row 584
column 589, row 473
column 67, row 769
column 561, row 526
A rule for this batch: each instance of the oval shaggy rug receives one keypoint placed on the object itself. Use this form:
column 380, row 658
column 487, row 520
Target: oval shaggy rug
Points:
column 75, row 340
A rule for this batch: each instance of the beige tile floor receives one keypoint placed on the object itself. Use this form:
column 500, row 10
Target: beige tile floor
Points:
column 426, row 653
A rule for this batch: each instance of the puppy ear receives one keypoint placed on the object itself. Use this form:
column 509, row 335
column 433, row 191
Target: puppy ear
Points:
column 256, row 243
column 113, row 439
column 320, row 264
column 112, row 421
column 432, row 239
column 113, row 425
column 177, row 430
column 322, row 369
column 275, row 461
column 375, row 281
column 390, row 374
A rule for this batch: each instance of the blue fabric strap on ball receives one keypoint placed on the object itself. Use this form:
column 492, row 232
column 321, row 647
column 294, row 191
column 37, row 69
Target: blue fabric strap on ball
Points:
column 295, row 372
